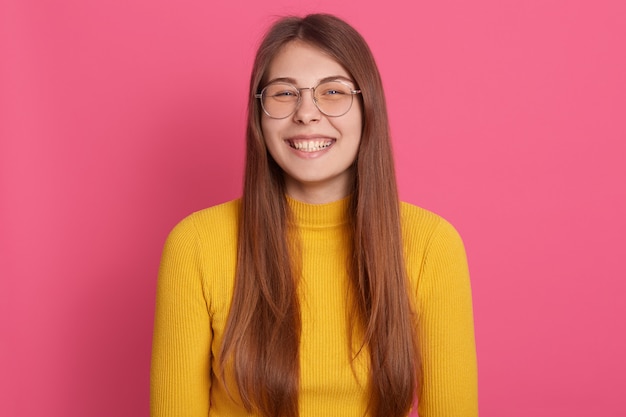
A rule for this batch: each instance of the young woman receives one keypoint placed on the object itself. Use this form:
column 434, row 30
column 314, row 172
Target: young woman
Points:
column 317, row 293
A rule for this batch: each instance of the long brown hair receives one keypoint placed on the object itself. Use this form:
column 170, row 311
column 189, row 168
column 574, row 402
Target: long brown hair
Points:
column 262, row 336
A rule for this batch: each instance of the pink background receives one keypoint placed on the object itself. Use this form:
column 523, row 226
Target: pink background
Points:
column 119, row 118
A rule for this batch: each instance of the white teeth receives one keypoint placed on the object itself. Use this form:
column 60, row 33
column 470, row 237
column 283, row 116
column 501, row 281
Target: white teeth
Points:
column 311, row 145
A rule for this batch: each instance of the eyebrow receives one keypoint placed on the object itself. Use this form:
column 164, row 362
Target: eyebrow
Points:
column 323, row 80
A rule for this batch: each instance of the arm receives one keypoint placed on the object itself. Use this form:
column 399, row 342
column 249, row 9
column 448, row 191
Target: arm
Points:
column 446, row 329
column 180, row 371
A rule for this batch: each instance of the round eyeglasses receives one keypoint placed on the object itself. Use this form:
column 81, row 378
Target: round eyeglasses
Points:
column 333, row 98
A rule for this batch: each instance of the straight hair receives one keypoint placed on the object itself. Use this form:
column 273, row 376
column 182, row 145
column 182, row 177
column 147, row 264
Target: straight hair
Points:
column 262, row 336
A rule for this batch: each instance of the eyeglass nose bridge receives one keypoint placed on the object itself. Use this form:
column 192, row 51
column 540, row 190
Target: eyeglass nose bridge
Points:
column 313, row 97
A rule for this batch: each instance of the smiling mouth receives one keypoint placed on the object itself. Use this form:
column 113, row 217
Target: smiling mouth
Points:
column 310, row 145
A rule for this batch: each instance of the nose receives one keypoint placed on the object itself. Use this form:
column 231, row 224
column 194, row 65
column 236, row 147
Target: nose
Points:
column 307, row 110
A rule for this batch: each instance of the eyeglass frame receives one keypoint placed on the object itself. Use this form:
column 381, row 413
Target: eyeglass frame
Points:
column 352, row 91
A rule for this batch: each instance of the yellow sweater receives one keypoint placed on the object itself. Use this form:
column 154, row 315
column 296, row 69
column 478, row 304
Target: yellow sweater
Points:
column 195, row 287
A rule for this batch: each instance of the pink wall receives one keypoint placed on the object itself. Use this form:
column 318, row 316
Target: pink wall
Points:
column 119, row 118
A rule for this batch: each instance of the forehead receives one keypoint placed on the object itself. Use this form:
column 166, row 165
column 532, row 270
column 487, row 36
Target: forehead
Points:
column 305, row 64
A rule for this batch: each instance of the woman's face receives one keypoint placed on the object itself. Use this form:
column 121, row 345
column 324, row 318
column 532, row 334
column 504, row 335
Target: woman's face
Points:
column 315, row 151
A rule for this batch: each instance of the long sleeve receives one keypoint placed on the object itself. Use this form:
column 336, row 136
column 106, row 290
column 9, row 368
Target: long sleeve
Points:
column 446, row 328
column 181, row 347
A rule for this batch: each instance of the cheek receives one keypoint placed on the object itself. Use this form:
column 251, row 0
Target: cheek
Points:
column 355, row 125
column 270, row 128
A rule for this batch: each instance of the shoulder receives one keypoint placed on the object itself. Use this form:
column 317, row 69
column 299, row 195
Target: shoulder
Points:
column 429, row 239
column 214, row 223
column 221, row 215
column 424, row 225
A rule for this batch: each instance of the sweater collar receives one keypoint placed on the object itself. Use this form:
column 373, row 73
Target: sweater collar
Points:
column 319, row 215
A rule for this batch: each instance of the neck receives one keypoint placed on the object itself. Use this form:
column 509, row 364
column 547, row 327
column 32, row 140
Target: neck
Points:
column 313, row 193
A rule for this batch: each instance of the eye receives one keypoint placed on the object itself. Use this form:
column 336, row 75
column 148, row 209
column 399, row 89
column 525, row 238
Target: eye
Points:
column 332, row 92
column 332, row 89
column 281, row 92
column 284, row 93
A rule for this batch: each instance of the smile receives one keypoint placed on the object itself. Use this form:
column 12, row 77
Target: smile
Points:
column 310, row 145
